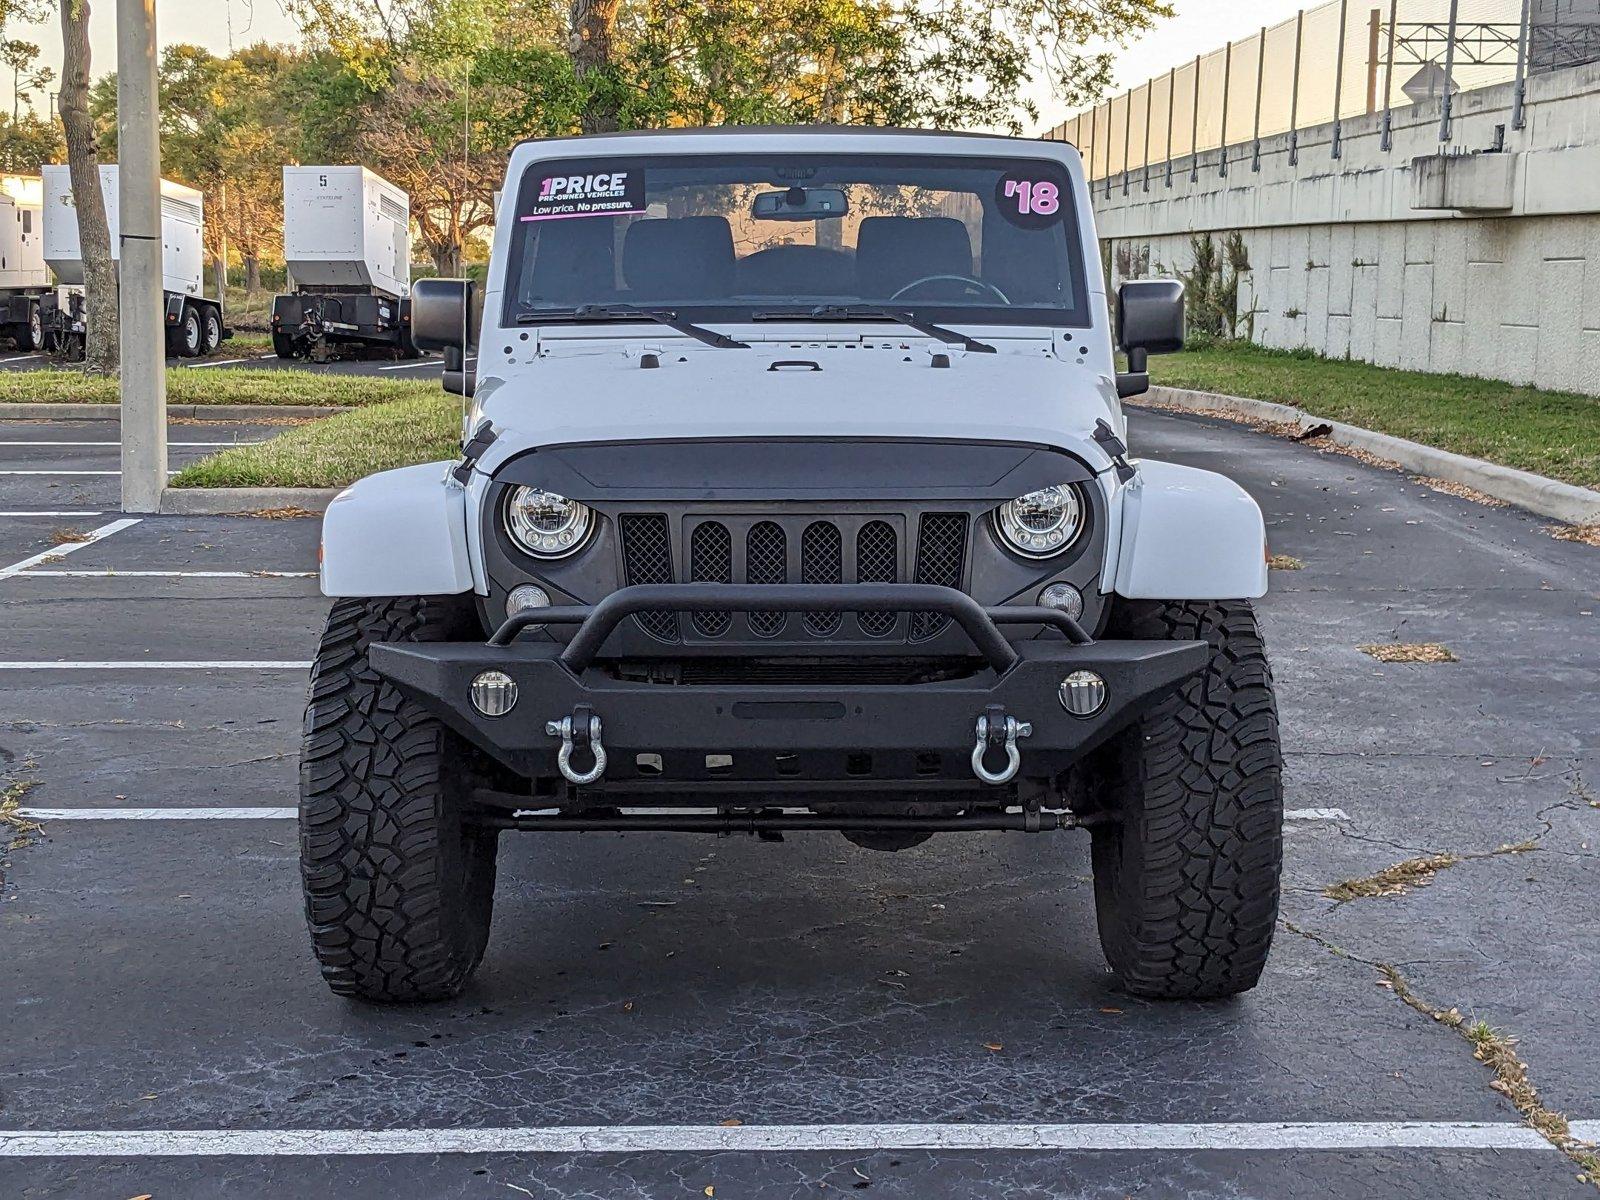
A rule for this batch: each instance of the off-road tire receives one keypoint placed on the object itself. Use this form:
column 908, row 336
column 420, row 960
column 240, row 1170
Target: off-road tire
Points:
column 398, row 890
column 1187, row 859
column 283, row 345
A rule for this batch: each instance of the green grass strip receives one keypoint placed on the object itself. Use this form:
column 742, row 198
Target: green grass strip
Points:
column 341, row 449
column 222, row 385
column 1550, row 433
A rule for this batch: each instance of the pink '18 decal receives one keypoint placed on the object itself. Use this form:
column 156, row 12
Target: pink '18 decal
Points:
column 1042, row 197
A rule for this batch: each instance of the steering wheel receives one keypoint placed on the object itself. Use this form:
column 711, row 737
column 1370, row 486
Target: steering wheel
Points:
column 971, row 281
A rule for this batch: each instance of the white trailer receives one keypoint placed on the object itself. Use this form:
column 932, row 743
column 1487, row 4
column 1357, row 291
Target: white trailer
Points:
column 347, row 245
column 24, row 279
column 193, row 320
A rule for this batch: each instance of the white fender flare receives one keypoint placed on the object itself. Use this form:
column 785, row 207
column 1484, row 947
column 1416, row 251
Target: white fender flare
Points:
column 1188, row 534
column 397, row 533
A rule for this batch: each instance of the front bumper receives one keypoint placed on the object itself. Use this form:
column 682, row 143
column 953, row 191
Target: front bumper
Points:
column 763, row 739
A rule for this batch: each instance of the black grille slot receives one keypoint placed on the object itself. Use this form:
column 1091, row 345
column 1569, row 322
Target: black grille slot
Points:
column 822, row 561
column 941, row 556
column 767, row 561
column 711, row 561
column 877, row 561
column 647, row 558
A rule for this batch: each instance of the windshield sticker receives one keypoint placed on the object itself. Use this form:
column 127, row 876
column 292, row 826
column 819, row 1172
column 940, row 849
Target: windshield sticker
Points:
column 599, row 194
column 1029, row 199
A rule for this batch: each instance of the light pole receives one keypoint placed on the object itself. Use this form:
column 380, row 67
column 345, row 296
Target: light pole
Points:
column 144, row 363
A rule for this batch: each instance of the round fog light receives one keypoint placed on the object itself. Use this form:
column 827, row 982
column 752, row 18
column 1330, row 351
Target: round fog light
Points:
column 1083, row 693
column 525, row 596
column 494, row 693
column 1065, row 597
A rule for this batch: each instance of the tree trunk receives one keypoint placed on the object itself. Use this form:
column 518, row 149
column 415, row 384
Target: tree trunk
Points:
column 446, row 259
column 594, row 26
column 219, row 272
column 103, row 351
column 252, row 274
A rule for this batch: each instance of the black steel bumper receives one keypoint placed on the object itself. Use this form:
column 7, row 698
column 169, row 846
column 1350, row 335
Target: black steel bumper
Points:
column 768, row 739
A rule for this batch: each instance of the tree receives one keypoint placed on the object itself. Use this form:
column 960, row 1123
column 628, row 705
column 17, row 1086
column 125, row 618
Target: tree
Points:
column 102, row 353
column 29, row 143
column 26, row 75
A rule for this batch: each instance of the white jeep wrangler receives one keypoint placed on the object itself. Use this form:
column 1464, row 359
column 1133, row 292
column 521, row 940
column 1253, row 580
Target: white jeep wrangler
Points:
column 793, row 496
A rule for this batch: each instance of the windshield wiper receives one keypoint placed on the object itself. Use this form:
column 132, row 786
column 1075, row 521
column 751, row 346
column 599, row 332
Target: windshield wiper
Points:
column 852, row 312
column 628, row 312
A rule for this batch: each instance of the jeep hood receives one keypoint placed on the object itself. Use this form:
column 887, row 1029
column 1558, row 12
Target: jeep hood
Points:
column 872, row 389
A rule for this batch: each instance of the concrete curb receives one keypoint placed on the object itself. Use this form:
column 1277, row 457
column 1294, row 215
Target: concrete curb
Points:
column 1536, row 493
column 197, row 502
column 215, row 412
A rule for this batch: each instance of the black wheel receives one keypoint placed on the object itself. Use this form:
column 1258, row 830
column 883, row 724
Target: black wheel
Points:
column 283, row 345
column 398, row 889
column 185, row 338
column 408, row 348
column 33, row 337
column 1186, row 863
column 210, row 330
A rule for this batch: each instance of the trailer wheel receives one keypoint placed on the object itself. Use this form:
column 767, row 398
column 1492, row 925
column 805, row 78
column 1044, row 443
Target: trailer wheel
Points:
column 283, row 345
column 1186, row 867
column 185, row 338
column 398, row 889
column 210, row 331
column 33, row 339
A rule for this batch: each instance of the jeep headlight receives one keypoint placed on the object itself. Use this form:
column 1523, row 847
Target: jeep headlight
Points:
column 1043, row 523
column 547, row 525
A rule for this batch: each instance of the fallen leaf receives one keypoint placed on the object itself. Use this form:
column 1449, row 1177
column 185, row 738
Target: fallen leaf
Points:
column 1115, row 1012
column 627, row 1006
column 730, row 1122
column 710, row 1190
column 994, row 1047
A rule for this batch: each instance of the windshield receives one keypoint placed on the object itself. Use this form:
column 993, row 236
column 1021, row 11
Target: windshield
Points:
column 732, row 236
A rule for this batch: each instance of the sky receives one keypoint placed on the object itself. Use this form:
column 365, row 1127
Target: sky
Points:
column 1199, row 26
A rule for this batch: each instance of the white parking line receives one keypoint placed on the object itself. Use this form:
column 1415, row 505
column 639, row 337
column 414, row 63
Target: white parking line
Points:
column 158, row 814
column 141, row 665
column 172, row 444
column 96, row 535
column 20, row 358
column 634, row 1139
column 411, row 366
column 223, row 362
column 68, row 472
column 109, row 573
column 49, row 512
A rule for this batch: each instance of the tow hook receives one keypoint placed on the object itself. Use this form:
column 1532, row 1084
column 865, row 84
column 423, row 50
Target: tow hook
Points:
column 580, row 731
column 998, row 731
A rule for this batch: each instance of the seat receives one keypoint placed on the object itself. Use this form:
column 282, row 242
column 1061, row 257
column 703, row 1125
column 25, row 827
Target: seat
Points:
column 678, row 258
column 797, row 271
column 894, row 251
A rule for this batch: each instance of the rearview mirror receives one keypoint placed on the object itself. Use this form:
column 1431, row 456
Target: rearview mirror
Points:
column 800, row 204
column 1149, row 321
column 443, row 314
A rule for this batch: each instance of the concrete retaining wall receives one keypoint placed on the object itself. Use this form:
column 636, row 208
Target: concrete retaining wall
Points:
column 1484, row 262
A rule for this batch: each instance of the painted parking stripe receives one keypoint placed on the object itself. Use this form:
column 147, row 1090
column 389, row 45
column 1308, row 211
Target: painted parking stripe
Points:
column 95, row 535
column 259, row 813
column 141, row 665
column 50, row 512
column 633, row 1139
column 264, row 814
column 225, row 362
column 109, row 573
column 411, row 366
column 172, row 444
column 20, row 358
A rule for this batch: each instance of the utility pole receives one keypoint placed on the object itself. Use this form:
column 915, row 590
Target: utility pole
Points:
column 144, row 364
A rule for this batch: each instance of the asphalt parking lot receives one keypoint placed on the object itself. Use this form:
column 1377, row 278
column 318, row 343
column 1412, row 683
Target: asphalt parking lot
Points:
column 668, row 1015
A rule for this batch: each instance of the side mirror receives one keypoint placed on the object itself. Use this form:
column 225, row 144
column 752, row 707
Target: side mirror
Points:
column 1149, row 321
column 443, row 314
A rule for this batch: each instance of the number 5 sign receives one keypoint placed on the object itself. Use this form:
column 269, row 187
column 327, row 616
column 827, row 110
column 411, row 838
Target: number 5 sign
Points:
column 1031, row 199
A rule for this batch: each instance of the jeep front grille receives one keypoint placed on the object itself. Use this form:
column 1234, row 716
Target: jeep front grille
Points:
column 798, row 547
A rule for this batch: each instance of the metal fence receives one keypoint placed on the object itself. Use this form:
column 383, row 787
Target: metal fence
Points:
column 1324, row 66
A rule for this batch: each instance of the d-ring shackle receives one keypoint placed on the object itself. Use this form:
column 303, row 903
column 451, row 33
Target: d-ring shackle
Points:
column 1014, row 729
column 563, row 730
